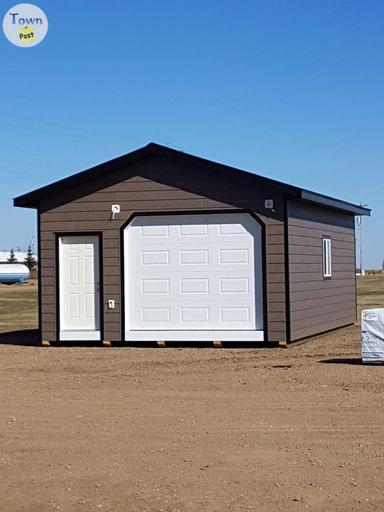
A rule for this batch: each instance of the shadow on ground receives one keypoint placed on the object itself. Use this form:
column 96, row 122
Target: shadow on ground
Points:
column 31, row 338
column 350, row 360
column 27, row 337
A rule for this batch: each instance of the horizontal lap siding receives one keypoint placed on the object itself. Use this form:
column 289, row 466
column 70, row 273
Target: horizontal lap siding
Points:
column 154, row 191
column 317, row 305
column 276, row 293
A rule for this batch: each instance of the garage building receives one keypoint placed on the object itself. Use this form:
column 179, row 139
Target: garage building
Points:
column 162, row 245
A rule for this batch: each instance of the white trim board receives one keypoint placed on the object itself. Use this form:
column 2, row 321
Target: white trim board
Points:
column 80, row 335
column 194, row 335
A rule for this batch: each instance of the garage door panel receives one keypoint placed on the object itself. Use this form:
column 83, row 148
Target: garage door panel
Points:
column 234, row 314
column 193, row 272
column 232, row 256
column 194, row 285
column 152, row 258
column 179, row 285
column 194, row 260
column 155, row 229
column 192, row 314
column 192, row 257
column 160, row 286
column 216, row 256
column 234, row 285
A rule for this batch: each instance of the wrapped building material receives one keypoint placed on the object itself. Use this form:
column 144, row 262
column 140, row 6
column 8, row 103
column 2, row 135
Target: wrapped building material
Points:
column 372, row 335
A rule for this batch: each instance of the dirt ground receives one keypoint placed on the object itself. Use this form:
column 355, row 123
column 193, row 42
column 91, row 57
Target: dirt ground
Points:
column 140, row 429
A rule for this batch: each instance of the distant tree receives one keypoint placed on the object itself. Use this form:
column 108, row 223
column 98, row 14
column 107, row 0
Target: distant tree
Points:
column 382, row 265
column 12, row 258
column 30, row 260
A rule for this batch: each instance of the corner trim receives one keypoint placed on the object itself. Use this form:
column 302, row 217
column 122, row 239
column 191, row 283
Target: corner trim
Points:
column 287, row 273
column 39, row 289
column 354, row 264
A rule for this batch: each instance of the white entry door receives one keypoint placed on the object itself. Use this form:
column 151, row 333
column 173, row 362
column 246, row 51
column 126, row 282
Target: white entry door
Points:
column 194, row 277
column 79, row 288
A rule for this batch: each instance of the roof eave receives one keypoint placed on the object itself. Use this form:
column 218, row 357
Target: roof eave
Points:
column 336, row 204
column 21, row 202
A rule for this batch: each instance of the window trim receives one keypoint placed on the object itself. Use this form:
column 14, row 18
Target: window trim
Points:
column 327, row 257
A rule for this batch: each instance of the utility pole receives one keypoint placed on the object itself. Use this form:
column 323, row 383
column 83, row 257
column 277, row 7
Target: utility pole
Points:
column 362, row 271
column 361, row 230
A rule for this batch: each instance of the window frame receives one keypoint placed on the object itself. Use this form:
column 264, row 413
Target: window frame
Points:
column 327, row 257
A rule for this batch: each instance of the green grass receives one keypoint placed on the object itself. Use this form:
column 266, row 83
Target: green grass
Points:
column 18, row 306
column 370, row 292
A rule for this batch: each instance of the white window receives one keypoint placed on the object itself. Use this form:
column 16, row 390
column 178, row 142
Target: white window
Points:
column 327, row 257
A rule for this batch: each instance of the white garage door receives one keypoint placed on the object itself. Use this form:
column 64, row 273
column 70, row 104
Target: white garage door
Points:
column 193, row 277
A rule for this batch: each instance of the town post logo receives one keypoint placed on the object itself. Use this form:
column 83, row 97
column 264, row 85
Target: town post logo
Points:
column 25, row 25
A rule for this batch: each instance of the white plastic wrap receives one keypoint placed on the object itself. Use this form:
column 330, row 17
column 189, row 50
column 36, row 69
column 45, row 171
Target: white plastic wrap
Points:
column 372, row 335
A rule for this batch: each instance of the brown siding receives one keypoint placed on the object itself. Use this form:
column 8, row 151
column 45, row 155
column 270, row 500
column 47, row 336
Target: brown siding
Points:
column 156, row 184
column 317, row 304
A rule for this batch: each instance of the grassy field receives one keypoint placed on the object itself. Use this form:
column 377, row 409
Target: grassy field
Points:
column 18, row 306
column 18, row 303
column 370, row 292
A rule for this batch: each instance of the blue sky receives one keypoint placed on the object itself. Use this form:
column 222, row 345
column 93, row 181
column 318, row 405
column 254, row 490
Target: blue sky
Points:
column 290, row 89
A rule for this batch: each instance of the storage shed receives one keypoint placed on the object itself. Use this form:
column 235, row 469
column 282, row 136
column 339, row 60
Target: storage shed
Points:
column 160, row 245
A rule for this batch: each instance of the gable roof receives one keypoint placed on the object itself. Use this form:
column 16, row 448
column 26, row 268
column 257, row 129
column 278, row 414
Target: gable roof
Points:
column 32, row 199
